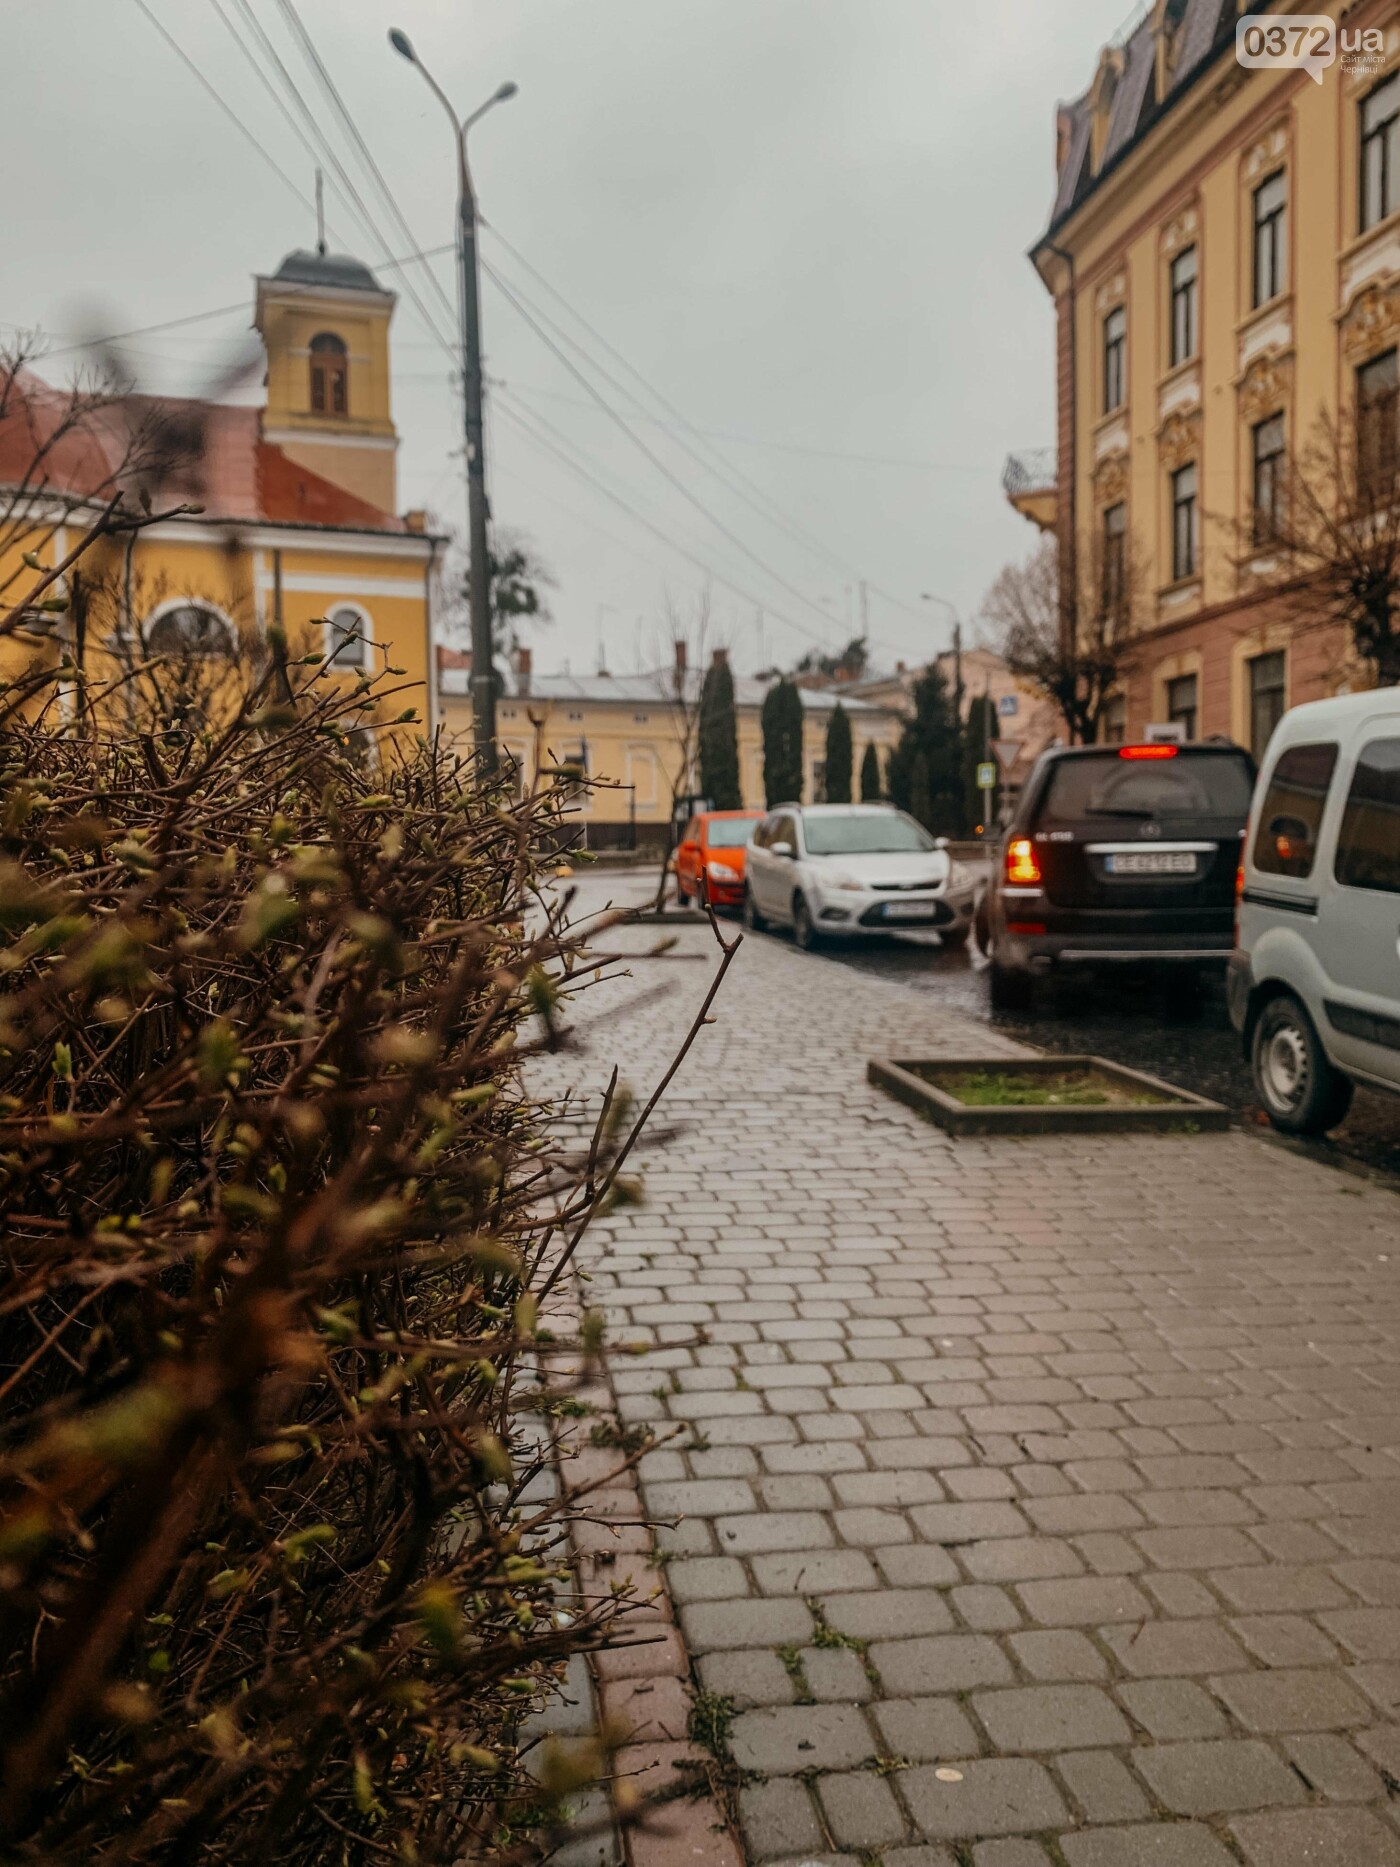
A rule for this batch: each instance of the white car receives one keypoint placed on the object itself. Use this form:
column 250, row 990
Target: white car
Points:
column 1314, row 980
column 834, row 869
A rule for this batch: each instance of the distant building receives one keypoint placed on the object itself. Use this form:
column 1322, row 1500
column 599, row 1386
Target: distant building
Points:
column 298, row 523
column 628, row 733
column 1224, row 258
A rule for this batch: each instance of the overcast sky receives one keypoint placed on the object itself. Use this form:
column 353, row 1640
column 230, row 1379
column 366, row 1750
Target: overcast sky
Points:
column 803, row 222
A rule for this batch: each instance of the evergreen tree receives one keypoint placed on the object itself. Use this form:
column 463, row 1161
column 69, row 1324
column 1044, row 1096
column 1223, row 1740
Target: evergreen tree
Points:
column 924, row 773
column 977, row 746
column 839, row 756
column 719, row 738
column 781, row 720
column 870, row 792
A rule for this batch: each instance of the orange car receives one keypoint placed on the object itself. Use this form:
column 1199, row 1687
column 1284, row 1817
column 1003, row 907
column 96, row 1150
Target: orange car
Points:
column 710, row 856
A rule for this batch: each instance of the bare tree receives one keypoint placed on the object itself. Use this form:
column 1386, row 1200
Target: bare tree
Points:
column 1074, row 639
column 1326, row 522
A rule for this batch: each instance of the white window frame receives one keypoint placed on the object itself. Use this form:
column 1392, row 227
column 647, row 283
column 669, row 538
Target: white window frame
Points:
column 365, row 624
column 190, row 602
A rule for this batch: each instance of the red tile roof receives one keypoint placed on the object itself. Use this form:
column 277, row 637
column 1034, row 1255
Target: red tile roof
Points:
column 223, row 462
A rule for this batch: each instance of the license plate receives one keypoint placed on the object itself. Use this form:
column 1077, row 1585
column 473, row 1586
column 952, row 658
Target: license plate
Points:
column 908, row 910
column 1152, row 862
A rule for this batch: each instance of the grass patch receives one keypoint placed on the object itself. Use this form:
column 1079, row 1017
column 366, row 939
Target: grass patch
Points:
column 1055, row 1089
column 710, row 1721
column 628, row 1439
column 791, row 1656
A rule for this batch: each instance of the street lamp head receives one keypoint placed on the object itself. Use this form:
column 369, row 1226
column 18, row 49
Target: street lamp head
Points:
column 508, row 89
column 403, row 45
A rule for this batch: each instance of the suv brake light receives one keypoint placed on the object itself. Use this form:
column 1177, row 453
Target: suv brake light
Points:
column 1022, row 868
column 1153, row 751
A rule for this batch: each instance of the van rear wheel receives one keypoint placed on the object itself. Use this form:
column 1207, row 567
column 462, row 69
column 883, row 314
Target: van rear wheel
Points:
column 1300, row 1090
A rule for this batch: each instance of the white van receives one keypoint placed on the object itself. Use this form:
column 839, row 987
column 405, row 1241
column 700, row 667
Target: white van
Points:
column 1314, row 981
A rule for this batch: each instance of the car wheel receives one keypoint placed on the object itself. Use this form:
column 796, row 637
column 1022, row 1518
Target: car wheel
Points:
column 804, row 928
column 753, row 920
column 954, row 938
column 1300, row 1090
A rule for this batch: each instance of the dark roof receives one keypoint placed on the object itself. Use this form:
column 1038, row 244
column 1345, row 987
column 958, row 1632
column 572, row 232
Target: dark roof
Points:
column 1204, row 29
column 334, row 269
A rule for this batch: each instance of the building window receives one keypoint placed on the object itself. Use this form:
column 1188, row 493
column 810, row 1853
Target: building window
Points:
column 330, row 375
column 1267, row 704
column 1267, row 439
column 1185, row 523
column 1380, row 152
column 1115, row 339
column 1181, row 704
column 1114, row 723
column 1183, row 320
column 190, row 629
column 1115, row 543
column 1376, row 425
column 347, row 638
column 1270, row 238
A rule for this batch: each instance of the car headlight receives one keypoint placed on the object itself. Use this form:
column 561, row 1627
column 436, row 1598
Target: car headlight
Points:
column 961, row 876
column 720, row 872
column 846, row 883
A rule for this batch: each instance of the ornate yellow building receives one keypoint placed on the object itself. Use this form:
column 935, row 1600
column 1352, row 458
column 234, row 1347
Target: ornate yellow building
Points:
column 299, row 521
column 1224, row 257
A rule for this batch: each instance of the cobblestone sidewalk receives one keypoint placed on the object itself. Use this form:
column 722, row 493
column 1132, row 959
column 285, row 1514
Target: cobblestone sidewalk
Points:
column 1037, row 1499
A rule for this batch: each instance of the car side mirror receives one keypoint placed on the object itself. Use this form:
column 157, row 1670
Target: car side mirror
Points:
column 781, row 849
column 940, row 842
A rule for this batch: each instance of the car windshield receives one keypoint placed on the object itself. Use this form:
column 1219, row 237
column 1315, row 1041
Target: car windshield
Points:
column 1183, row 786
column 730, row 832
column 873, row 833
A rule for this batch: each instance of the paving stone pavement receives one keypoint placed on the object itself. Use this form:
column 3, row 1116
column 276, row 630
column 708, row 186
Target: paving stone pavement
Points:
column 1033, row 1500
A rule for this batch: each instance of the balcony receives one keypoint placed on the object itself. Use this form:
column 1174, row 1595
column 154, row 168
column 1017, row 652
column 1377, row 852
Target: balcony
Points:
column 1028, row 480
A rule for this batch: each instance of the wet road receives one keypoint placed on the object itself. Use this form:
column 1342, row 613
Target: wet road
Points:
column 1134, row 1022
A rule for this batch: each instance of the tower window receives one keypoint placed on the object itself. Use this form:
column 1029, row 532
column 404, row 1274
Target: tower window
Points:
column 330, row 375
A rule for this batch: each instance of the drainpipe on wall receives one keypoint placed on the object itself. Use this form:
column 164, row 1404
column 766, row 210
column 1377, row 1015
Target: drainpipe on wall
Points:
column 1066, row 463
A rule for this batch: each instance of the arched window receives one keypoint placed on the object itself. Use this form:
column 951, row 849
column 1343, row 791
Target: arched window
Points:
column 347, row 637
column 330, row 375
column 190, row 629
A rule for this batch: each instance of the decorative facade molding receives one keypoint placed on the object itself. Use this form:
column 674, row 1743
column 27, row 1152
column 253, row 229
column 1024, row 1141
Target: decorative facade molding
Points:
column 1179, row 440
column 1181, row 230
column 1112, row 292
column 1372, row 321
column 1266, row 387
column 1266, row 152
column 1111, row 479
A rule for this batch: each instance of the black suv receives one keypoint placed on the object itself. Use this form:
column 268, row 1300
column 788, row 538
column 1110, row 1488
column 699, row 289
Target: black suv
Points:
column 1119, row 854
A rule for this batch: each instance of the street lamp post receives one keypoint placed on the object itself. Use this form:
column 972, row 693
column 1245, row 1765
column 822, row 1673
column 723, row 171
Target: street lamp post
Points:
column 469, row 307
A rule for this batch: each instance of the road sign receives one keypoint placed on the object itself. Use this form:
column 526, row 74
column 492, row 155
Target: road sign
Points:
column 987, row 775
column 1008, row 751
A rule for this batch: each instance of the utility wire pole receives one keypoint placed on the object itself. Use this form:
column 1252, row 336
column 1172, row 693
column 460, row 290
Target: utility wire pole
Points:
column 469, row 306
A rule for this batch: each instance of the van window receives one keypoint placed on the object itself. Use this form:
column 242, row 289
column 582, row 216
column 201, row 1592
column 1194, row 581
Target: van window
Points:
column 1286, row 840
column 1368, row 843
column 1106, row 785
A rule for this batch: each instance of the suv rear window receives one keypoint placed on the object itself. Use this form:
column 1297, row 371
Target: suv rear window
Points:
column 1106, row 785
column 1291, row 813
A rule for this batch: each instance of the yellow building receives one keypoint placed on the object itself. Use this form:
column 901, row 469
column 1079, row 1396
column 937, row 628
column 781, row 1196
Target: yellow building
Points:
column 1224, row 259
column 636, row 740
column 299, row 521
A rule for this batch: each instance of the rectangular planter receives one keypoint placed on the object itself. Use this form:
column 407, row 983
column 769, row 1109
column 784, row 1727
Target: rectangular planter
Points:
column 1177, row 1109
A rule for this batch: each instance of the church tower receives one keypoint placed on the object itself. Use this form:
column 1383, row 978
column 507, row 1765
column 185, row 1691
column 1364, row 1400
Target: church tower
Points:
column 324, row 322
